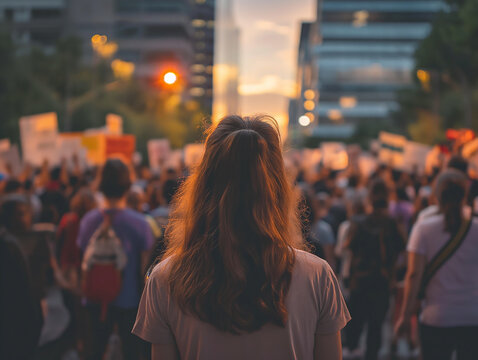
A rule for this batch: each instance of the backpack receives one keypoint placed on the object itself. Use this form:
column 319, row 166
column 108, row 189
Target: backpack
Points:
column 103, row 261
column 372, row 260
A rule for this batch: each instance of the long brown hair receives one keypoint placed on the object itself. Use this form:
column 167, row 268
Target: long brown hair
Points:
column 231, row 236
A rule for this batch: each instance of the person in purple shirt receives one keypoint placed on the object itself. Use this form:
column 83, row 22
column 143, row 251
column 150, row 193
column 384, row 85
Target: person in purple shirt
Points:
column 137, row 239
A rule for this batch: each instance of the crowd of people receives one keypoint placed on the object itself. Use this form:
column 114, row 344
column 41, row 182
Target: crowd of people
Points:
column 62, row 226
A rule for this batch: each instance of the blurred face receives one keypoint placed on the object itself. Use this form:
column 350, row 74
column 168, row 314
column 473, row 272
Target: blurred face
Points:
column 22, row 218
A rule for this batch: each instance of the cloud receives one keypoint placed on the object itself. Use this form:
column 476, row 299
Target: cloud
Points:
column 268, row 84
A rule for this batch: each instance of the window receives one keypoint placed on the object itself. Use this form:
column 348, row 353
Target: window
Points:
column 127, row 31
column 197, row 68
column 198, row 80
column 196, row 91
column 166, row 31
column 45, row 13
column 198, row 23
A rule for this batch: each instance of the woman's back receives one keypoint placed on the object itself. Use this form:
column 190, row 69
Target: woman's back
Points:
column 314, row 305
column 232, row 264
column 452, row 293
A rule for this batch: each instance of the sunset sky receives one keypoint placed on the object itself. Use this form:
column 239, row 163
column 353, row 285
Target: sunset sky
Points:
column 269, row 42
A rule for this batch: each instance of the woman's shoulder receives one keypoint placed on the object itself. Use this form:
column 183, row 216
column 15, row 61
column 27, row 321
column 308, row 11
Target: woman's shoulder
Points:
column 159, row 272
column 308, row 264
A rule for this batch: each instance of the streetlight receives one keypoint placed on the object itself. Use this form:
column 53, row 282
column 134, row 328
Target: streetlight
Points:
column 424, row 77
column 170, row 78
column 309, row 105
column 304, row 120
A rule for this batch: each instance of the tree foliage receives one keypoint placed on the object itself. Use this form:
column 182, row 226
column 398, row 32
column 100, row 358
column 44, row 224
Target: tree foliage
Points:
column 34, row 81
column 449, row 55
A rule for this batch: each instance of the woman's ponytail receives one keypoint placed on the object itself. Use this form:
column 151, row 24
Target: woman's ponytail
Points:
column 451, row 190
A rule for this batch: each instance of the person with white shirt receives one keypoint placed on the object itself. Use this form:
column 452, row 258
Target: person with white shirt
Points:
column 449, row 311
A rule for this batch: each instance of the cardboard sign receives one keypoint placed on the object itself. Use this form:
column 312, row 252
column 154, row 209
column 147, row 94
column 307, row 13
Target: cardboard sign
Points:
column 334, row 155
column 158, row 151
column 123, row 146
column 391, row 150
column 100, row 147
column 39, row 134
column 10, row 162
column 174, row 160
column 473, row 166
column 470, row 148
column 415, row 157
column 367, row 164
column 70, row 147
column 435, row 159
column 114, row 124
column 95, row 146
column 193, row 154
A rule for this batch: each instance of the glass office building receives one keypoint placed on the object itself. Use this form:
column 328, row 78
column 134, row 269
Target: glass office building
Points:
column 363, row 55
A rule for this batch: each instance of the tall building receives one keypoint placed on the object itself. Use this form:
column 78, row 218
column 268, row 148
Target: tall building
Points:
column 203, row 22
column 363, row 56
column 306, row 79
column 34, row 22
column 226, row 68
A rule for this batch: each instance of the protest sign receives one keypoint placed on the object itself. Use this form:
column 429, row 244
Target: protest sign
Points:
column 39, row 134
column 334, row 155
column 123, row 146
column 71, row 149
column 100, row 147
column 415, row 157
column 434, row 160
column 367, row 164
column 95, row 146
column 470, row 148
column 10, row 162
column 193, row 154
column 473, row 166
column 391, row 149
column 158, row 152
column 174, row 160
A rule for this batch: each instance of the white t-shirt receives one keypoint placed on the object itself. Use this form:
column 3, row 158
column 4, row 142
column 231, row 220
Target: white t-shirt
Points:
column 314, row 304
column 433, row 210
column 451, row 297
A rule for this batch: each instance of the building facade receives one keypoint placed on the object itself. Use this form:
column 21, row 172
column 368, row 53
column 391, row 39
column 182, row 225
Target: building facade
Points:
column 38, row 22
column 363, row 56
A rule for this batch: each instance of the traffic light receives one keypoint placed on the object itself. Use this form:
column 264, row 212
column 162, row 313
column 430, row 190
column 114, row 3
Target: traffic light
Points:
column 170, row 78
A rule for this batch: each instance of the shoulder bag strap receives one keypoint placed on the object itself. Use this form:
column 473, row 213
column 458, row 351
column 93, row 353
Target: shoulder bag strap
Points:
column 444, row 254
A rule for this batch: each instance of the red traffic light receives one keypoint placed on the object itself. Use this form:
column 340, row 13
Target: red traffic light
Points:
column 170, row 78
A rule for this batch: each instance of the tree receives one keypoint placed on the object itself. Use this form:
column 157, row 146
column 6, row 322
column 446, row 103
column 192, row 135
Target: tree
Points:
column 450, row 55
column 34, row 81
